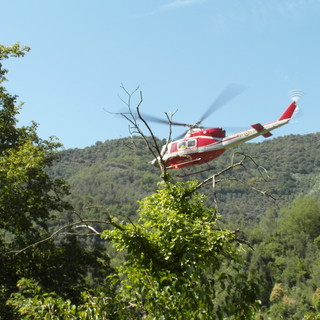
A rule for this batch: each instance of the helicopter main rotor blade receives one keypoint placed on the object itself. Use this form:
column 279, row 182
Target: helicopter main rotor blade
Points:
column 180, row 136
column 229, row 93
column 154, row 119
column 159, row 120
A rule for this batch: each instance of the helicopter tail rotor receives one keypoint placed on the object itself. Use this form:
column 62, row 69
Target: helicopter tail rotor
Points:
column 293, row 107
column 296, row 95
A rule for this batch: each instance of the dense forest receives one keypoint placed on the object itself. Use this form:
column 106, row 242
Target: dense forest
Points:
column 96, row 233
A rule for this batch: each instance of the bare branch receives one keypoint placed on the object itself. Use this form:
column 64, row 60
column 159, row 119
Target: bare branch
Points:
column 213, row 178
column 86, row 226
column 76, row 234
column 134, row 129
column 74, row 225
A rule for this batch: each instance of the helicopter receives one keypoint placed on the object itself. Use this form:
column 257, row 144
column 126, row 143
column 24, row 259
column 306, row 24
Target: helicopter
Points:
column 200, row 145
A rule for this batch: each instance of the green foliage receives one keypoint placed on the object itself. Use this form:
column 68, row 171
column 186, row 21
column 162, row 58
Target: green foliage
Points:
column 174, row 258
column 286, row 253
column 32, row 302
column 179, row 265
column 6, row 52
column 28, row 198
column 27, row 192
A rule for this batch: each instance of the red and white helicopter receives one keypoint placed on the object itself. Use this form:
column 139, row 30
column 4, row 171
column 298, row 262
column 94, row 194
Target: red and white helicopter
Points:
column 201, row 145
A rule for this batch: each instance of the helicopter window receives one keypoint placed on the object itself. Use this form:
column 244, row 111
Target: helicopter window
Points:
column 173, row 147
column 182, row 145
column 186, row 144
column 191, row 143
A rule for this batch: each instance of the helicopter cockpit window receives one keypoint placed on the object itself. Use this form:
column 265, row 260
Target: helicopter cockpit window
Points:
column 182, row 145
column 186, row 144
column 191, row 143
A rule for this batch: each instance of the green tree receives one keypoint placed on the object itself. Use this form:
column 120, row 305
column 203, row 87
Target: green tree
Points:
column 27, row 194
column 28, row 198
column 179, row 263
column 32, row 302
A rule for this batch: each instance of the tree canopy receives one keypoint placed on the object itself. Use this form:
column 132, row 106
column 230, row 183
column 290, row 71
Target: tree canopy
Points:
column 175, row 253
column 29, row 197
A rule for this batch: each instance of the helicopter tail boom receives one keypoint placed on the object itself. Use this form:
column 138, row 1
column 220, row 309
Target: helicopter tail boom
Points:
column 260, row 127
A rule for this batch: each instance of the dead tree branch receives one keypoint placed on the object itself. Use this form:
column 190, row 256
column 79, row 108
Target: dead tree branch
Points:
column 84, row 224
column 134, row 117
column 213, row 178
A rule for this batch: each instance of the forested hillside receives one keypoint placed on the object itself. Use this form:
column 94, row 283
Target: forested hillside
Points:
column 115, row 174
column 273, row 200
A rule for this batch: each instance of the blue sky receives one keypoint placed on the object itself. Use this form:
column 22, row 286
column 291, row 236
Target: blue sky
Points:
column 182, row 54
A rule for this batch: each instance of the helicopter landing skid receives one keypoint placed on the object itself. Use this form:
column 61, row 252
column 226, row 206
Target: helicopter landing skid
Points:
column 193, row 173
